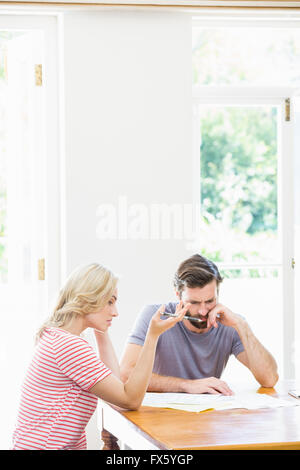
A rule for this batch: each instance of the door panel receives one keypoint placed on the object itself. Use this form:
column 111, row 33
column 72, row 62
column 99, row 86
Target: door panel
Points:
column 23, row 297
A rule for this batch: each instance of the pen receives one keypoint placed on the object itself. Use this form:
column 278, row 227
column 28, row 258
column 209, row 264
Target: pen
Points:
column 185, row 316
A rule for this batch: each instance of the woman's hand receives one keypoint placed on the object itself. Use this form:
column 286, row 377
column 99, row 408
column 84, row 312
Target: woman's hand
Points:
column 158, row 326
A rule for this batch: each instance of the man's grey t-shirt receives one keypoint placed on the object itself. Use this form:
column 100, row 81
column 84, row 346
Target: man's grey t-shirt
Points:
column 183, row 353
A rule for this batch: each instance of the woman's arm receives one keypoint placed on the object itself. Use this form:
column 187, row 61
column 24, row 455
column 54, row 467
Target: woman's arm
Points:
column 130, row 394
column 107, row 352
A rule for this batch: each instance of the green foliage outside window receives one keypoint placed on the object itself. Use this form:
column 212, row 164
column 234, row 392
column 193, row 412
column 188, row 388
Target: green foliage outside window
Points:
column 239, row 182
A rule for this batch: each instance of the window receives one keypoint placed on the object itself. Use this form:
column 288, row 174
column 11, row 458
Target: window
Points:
column 244, row 159
column 250, row 55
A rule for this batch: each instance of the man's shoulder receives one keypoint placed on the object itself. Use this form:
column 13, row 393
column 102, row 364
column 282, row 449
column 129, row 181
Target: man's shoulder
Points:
column 150, row 309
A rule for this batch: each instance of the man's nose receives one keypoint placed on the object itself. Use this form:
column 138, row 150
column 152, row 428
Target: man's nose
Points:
column 203, row 310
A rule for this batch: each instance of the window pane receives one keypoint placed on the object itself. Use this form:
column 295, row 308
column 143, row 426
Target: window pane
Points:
column 259, row 301
column 258, row 56
column 239, row 205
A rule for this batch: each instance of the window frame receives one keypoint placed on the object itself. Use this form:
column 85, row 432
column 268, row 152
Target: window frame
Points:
column 247, row 94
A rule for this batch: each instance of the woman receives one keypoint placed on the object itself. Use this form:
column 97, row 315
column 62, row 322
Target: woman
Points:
column 66, row 376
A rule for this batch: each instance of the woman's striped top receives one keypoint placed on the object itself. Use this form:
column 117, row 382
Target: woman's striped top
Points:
column 56, row 404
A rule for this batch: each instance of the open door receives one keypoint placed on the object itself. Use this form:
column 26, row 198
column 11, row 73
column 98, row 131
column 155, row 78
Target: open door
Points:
column 23, row 299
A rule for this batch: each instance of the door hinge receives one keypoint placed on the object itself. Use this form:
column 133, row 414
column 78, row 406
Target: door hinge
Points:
column 293, row 263
column 287, row 109
column 38, row 73
column 41, row 269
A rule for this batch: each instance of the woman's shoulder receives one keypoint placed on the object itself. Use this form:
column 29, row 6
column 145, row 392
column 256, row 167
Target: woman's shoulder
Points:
column 60, row 336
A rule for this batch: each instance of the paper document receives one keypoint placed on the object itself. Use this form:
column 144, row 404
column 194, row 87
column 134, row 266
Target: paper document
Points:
column 202, row 401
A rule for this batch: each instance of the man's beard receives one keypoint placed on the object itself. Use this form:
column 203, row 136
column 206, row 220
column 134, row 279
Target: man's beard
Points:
column 201, row 325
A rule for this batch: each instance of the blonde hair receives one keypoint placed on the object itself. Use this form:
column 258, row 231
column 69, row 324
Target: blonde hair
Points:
column 87, row 289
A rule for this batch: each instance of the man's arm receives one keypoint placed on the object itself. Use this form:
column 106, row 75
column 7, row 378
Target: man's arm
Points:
column 161, row 383
column 255, row 356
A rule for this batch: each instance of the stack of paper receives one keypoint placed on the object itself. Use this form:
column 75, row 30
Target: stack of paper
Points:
column 203, row 402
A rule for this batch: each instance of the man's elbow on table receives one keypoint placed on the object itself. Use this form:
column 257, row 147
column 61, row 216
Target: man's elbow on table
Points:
column 270, row 382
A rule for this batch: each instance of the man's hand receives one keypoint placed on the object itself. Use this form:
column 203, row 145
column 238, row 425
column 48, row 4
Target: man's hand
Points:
column 210, row 385
column 224, row 315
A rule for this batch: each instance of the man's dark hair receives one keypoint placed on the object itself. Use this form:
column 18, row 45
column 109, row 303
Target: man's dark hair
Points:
column 196, row 271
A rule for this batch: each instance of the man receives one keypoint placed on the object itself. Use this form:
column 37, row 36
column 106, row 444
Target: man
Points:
column 191, row 356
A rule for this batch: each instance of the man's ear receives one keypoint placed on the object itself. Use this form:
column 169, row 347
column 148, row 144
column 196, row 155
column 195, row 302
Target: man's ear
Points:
column 178, row 294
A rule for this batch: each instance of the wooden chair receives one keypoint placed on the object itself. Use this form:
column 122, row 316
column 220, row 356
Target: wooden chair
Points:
column 110, row 441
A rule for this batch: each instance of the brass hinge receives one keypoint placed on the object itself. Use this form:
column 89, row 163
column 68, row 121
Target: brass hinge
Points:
column 293, row 263
column 41, row 269
column 38, row 73
column 287, row 109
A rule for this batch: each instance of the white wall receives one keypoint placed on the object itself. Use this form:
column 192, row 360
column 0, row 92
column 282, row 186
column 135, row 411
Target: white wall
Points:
column 128, row 133
column 128, row 125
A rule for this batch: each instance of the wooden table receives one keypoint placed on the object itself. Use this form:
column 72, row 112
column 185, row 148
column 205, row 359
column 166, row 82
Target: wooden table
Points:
column 237, row 429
